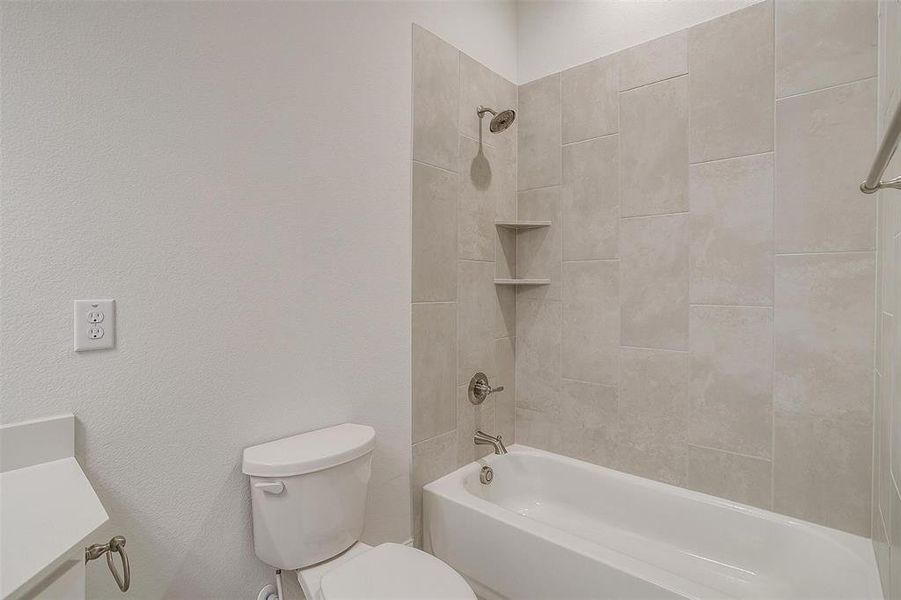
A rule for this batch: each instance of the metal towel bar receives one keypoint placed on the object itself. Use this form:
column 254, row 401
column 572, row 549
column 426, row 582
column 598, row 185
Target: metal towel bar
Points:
column 874, row 182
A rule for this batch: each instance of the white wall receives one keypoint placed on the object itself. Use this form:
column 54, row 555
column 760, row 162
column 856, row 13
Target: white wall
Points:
column 558, row 34
column 236, row 176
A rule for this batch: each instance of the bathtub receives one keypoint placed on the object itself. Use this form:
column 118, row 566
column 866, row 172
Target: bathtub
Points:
column 551, row 527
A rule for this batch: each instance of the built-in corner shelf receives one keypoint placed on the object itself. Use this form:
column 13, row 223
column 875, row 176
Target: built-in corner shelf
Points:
column 522, row 225
column 522, row 281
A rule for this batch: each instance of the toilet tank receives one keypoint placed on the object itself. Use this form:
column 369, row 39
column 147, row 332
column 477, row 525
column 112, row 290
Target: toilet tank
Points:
column 308, row 494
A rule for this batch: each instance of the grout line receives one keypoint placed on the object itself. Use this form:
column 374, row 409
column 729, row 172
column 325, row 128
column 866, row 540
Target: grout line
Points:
column 591, row 139
column 608, row 385
column 682, row 212
column 446, row 170
column 825, row 252
column 582, row 260
column 433, row 302
column 540, row 187
column 626, row 347
column 638, row 87
column 763, row 306
column 476, row 260
column 763, row 458
column 772, row 399
column 736, row 157
column 825, row 89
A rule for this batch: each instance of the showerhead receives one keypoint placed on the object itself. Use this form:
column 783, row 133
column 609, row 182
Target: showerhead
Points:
column 500, row 121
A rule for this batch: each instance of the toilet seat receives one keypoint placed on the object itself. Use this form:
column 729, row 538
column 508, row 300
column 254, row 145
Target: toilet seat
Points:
column 394, row 572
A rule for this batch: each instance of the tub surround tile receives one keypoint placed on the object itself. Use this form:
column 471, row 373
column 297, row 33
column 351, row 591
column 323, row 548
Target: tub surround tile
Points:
column 822, row 469
column 539, row 139
column 826, row 141
column 505, row 315
column 824, row 43
column 883, row 486
column 538, row 328
column 434, row 234
column 732, row 379
column 656, row 60
column 589, row 100
column 732, row 231
column 471, row 418
column 654, row 142
column 505, row 401
column 654, row 281
column 582, row 404
column 485, row 182
column 590, row 199
column 745, row 479
column 732, row 77
column 476, row 310
column 505, row 253
column 591, row 321
column 432, row 459
column 824, row 326
column 434, row 369
column 436, row 94
column 539, row 251
column 895, row 540
column 479, row 85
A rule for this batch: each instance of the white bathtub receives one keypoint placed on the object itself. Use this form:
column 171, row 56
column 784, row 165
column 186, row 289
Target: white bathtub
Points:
column 551, row 527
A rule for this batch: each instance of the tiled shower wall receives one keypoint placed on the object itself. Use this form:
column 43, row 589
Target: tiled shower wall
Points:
column 464, row 178
column 887, row 430
column 710, row 321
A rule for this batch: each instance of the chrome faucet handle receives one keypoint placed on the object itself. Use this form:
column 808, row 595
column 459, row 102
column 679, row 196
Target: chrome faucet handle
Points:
column 480, row 389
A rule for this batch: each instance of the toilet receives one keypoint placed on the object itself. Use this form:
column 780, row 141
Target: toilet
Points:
column 308, row 495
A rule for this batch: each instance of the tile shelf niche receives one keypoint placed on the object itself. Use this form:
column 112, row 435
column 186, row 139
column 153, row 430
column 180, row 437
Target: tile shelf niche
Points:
column 521, row 226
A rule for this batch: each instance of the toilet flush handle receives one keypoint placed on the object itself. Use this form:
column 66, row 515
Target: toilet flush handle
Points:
column 271, row 487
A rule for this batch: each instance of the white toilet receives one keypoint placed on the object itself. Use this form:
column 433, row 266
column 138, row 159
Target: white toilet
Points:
column 309, row 499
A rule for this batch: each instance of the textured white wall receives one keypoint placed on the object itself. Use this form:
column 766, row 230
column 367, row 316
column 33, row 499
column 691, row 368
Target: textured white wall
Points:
column 237, row 177
column 557, row 34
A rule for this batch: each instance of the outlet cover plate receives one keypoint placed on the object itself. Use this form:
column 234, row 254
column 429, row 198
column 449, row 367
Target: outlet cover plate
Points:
column 94, row 324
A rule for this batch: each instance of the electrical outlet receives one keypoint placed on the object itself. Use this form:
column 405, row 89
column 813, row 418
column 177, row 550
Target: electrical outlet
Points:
column 89, row 333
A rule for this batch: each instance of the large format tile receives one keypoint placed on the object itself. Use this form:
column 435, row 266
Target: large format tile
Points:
column 823, row 43
column 732, row 231
column 434, row 234
column 471, row 418
column 584, row 404
column 590, row 199
column 476, row 310
column 432, row 459
column 826, row 141
column 590, row 103
column 745, row 479
column 434, row 349
column 732, row 379
column 654, row 281
column 730, row 59
column 436, row 95
column 591, row 322
column 538, row 326
column 539, row 252
column 824, row 335
column 486, row 182
column 480, row 86
column 822, row 469
column 653, row 61
column 505, row 313
column 649, row 439
column 654, row 141
column 504, row 401
column 539, row 133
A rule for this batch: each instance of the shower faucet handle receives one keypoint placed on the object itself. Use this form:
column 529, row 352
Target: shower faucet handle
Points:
column 480, row 389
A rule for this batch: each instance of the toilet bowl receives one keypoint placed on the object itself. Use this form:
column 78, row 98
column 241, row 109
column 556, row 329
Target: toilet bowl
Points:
column 308, row 497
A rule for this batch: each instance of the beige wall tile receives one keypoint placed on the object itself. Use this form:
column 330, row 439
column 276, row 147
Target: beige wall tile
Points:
column 732, row 379
column 590, row 104
column 582, row 404
column 504, row 253
column 654, row 281
column 535, row 429
column 732, row 77
column 732, row 231
column 653, row 413
column 434, row 369
column 653, row 61
column 744, row 479
column 823, row 43
column 538, row 147
column 432, row 459
column 824, row 334
column 883, row 487
column 476, row 310
column 436, row 94
column 539, row 251
column 590, row 199
column 479, row 85
column 538, row 327
column 434, row 234
column 826, row 141
column 822, row 469
column 895, row 540
column 486, row 182
column 654, row 142
column 471, row 418
column 504, row 401
column 591, row 321
column 505, row 315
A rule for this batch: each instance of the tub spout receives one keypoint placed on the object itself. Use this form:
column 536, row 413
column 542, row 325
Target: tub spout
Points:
column 483, row 439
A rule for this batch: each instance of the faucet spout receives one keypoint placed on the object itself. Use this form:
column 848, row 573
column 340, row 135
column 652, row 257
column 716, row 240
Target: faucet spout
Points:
column 483, row 439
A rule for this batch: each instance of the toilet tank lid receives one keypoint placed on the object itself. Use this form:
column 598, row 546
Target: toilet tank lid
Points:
column 308, row 452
